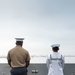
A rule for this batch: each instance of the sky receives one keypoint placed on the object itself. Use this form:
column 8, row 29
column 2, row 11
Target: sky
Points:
column 41, row 22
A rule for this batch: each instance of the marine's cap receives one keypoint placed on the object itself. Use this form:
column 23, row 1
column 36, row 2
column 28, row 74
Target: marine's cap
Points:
column 55, row 45
column 19, row 39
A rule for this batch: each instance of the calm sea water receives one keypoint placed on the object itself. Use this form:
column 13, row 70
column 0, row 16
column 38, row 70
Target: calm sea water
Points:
column 42, row 60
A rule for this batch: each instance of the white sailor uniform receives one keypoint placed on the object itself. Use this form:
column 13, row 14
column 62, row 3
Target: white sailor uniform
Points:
column 55, row 64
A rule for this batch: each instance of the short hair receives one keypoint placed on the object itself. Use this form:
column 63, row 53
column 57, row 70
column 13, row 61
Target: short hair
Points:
column 19, row 43
column 55, row 49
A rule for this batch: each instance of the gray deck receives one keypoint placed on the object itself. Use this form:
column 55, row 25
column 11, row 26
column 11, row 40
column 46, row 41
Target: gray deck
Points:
column 40, row 68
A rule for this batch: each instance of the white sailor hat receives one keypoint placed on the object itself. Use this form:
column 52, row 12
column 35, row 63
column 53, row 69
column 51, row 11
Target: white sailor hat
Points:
column 19, row 39
column 55, row 45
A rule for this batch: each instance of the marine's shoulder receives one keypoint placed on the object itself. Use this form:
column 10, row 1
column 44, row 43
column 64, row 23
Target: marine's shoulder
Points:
column 11, row 49
column 25, row 50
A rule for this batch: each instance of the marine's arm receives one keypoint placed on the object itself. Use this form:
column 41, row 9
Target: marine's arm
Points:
column 27, row 63
column 9, row 62
column 8, row 59
column 28, row 60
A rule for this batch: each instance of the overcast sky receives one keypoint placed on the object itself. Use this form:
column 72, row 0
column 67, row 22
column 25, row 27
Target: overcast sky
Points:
column 41, row 22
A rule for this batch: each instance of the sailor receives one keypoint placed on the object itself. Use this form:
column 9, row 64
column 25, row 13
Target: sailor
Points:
column 18, row 58
column 55, row 61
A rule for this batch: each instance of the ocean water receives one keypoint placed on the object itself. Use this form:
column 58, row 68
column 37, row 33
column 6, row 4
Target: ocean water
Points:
column 42, row 59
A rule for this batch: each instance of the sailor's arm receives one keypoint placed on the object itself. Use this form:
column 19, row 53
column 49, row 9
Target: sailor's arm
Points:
column 48, row 62
column 63, row 62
